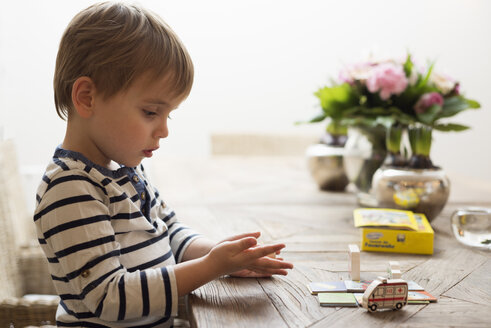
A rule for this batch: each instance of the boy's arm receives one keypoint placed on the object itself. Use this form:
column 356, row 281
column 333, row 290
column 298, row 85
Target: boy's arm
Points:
column 186, row 244
column 198, row 248
column 79, row 241
column 180, row 235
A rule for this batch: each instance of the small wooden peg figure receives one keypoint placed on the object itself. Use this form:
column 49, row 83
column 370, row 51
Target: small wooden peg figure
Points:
column 394, row 270
column 395, row 274
column 354, row 262
column 394, row 265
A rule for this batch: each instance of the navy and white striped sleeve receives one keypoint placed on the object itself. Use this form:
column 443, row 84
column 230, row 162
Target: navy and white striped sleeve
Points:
column 74, row 228
column 180, row 235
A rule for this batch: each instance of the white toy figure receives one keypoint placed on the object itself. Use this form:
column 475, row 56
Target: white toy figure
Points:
column 354, row 262
column 395, row 274
column 385, row 293
column 394, row 270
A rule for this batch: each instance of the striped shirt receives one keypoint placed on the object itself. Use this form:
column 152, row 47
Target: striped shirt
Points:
column 111, row 244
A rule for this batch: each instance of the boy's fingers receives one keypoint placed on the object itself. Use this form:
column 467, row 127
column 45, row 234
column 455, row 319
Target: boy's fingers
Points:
column 269, row 263
column 263, row 275
column 261, row 251
column 237, row 246
column 271, row 266
column 281, row 272
column 244, row 243
column 243, row 235
column 270, row 272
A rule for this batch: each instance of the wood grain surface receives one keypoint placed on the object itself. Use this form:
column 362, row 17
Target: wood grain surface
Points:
column 223, row 196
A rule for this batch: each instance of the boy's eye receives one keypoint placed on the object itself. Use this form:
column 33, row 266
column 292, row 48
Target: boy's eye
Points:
column 149, row 112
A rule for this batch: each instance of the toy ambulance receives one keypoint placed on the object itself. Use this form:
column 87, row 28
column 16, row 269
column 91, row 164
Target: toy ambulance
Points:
column 385, row 293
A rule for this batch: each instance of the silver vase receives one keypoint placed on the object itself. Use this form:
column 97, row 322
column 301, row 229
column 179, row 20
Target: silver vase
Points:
column 419, row 190
column 326, row 166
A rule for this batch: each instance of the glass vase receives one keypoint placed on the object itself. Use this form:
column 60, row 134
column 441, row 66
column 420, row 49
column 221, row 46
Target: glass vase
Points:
column 365, row 151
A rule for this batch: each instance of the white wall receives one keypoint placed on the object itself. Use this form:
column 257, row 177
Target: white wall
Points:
column 257, row 65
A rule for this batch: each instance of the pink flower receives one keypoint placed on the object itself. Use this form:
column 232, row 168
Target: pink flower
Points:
column 387, row 79
column 427, row 100
column 345, row 77
column 443, row 82
column 457, row 89
column 354, row 72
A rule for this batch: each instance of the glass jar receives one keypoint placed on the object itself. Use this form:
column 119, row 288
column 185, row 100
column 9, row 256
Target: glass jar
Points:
column 365, row 151
column 472, row 226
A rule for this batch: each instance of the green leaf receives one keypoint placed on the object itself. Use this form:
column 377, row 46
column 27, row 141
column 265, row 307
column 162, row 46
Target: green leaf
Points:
column 473, row 104
column 336, row 128
column 430, row 115
column 351, row 111
column 450, row 127
column 423, row 82
column 420, row 140
column 372, row 111
column 408, row 66
column 455, row 105
column 359, row 121
column 386, row 121
column 319, row 118
column 336, row 100
column 393, row 138
column 400, row 116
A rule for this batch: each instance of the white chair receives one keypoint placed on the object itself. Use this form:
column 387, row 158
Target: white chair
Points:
column 23, row 266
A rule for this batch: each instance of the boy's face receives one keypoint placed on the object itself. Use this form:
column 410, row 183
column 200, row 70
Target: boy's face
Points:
column 128, row 126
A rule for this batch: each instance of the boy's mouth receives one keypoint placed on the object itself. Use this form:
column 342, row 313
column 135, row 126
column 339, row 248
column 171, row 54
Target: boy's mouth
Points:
column 149, row 152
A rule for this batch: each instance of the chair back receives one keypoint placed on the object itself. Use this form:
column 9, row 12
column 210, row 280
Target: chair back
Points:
column 10, row 278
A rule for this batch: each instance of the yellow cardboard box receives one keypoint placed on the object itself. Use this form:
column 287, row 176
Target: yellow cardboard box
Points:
column 396, row 231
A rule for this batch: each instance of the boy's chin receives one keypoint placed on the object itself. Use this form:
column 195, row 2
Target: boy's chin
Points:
column 134, row 164
column 131, row 163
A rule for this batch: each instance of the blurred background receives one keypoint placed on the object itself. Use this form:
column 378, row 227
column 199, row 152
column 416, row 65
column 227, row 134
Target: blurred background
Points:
column 257, row 64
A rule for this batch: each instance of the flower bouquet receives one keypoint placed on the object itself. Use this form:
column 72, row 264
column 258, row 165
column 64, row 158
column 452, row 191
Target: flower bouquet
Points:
column 386, row 99
column 396, row 95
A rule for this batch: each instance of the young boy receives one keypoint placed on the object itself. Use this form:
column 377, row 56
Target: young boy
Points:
column 117, row 254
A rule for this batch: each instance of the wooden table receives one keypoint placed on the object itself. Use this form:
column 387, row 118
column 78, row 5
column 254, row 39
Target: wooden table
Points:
column 222, row 196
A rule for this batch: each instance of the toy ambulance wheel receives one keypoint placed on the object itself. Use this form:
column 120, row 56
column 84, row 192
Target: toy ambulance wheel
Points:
column 373, row 307
column 398, row 306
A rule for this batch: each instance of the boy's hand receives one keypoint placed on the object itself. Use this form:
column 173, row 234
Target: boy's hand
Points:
column 249, row 234
column 240, row 256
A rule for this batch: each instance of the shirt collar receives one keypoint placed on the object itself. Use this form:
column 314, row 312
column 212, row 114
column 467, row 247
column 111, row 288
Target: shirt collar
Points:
column 122, row 171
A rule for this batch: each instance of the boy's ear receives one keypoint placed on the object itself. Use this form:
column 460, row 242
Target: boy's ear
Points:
column 83, row 96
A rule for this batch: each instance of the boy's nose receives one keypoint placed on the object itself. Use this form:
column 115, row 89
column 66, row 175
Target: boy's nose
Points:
column 162, row 131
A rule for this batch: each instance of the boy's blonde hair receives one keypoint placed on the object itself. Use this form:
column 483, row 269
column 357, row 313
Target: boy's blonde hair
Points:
column 113, row 44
